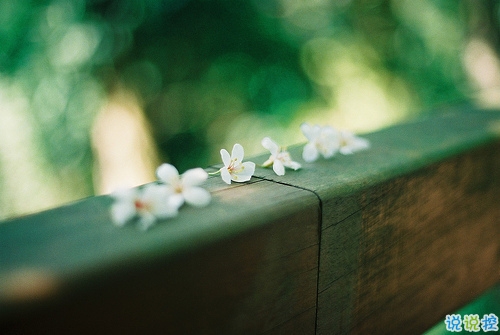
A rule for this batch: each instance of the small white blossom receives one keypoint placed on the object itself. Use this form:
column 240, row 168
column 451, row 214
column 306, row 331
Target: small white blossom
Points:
column 280, row 158
column 322, row 140
column 184, row 188
column 148, row 204
column 350, row 143
column 234, row 168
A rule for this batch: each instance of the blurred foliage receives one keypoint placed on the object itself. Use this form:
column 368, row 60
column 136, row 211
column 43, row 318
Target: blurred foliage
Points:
column 208, row 73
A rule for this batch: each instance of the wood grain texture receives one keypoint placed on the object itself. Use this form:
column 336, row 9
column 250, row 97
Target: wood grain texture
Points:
column 414, row 248
column 430, row 244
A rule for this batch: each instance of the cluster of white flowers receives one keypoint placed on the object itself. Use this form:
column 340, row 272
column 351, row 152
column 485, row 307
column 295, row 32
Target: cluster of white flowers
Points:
column 161, row 200
column 327, row 141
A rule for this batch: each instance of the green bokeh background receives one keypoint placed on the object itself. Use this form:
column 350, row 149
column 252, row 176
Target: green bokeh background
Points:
column 208, row 73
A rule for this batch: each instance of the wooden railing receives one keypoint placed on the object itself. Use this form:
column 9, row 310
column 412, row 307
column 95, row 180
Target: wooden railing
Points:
column 388, row 240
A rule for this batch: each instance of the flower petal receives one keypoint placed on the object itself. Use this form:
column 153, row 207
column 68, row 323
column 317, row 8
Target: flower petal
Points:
column 197, row 196
column 278, row 167
column 294, row 165
column 310, row 153
column 361, row 143
column 146, row 220
column 226, row 159
column 159, row 200
column 329, row 151
column 307, row 131
column 247, row 172
column 271, row 146
column 226, row 176
column 238, row 152
column 152, row 193
column 194, row 177
column 328, row 130
column 346, row 150
column 122, row 212
column 167, row 173
column 174, row 202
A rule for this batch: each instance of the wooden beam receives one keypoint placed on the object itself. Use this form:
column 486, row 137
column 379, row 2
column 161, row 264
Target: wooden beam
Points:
column 424, row 244
column 387, row 240
column 242, row 267
column 410, row 229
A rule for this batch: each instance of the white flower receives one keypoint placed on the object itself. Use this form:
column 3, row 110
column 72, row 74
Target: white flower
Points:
column 350, row 143
column 322, row 140
column 184, row 188
column 148, row 204
column 234, row 169
column 280, row 158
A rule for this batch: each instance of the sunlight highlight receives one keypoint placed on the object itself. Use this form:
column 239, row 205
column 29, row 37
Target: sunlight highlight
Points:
column 483, row 67
column 125, row 152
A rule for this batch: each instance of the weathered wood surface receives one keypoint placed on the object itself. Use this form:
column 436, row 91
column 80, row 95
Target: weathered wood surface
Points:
column 427, row 243
column 388, row 240
column 411, row 228
column 226, row 271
